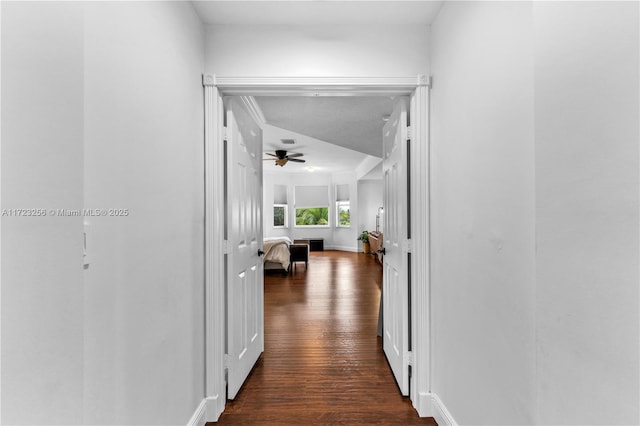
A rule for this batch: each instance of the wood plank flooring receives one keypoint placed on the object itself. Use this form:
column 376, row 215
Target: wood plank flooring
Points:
column 323, row 363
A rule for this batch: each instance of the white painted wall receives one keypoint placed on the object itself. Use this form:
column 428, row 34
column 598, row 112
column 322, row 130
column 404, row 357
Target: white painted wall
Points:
column 334, row 238
column 102, row 108
column 346, row 238
column 316, row 51
column 535, row 212
column 144, row 151
column 483, row 273
column 369, row 199
column 42, row 166
column 587, row 198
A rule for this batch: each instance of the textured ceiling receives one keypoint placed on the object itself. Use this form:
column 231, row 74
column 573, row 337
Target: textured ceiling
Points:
column 351, row 122
column 307, row 12
column 320, row 156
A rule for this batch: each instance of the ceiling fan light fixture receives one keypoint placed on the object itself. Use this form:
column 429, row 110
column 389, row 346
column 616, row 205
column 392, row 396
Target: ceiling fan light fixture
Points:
column 281, row 158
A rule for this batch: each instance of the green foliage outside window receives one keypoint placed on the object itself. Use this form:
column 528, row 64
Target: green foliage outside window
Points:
column 313, row 216
column 279, row 216
column 344, row 215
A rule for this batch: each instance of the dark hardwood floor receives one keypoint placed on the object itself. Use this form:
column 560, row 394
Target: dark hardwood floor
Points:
column 323, row 363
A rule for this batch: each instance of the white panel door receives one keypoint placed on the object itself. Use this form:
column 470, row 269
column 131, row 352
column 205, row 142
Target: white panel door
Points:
column 245, row 291
column 395, row 306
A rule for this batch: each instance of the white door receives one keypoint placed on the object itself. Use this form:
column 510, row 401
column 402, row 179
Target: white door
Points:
column 245, row 291
column 395, row 284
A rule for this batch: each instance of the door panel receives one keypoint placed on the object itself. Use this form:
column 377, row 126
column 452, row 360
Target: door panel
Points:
column 245, row 291
column 395, row 262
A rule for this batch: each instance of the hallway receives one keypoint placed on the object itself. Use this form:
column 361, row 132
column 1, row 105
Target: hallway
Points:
column 323, row 363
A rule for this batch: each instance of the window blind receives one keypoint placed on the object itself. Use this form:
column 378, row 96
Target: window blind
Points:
column 312, row 196
column 280, row 194
column 342, row 192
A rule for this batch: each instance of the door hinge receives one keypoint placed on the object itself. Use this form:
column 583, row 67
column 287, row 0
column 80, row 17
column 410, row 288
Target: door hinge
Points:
column 225, row 133
column 225, row 246
column 407, row 245
column 408, row 358
column 225, row 361
column 409, row 133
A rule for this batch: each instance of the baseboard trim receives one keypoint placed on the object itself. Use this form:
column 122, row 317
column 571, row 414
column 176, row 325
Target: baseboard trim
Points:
column 342, row 248
column 209, row 410
column 424, row 404
column 215, row 407
column 199, row 416
column 440, row 413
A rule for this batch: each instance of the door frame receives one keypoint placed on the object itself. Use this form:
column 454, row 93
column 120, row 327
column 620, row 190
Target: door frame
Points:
column 415, row 86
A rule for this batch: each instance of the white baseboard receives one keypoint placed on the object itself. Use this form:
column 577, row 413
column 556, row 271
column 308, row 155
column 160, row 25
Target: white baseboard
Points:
column 424, row 404
column 343, row 248
column 440, row 413
column 215, row 407
column 199, row 416
column 209, row 410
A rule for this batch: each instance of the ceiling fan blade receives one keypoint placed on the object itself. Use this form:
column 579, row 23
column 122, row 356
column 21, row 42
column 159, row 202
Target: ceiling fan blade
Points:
column 273, row 155
column 295, row 155
column 297, row 160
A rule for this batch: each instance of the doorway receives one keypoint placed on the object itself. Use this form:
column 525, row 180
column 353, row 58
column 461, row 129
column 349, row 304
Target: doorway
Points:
column 417, row 88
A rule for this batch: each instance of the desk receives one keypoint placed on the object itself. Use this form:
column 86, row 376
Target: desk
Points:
column 375, row 241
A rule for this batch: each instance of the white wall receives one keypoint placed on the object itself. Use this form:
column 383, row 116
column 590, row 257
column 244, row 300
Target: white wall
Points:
column 42, row 166
column 369, row 199
column 346, row 238
column 334, row 238
column 102, row 108
column 535, row 212
column 483, row 212
column 586, row 127
column 316, row 51
column 144, row 151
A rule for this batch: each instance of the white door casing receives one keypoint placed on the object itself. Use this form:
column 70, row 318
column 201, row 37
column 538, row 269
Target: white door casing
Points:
column 215, row 86
column 395, row 289
column 245, row 288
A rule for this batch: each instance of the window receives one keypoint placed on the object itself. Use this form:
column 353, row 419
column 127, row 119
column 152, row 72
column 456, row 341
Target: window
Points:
column 312, row 205
column 312, row 216
column 280, row 216
column 280, row 207
column 343, row 213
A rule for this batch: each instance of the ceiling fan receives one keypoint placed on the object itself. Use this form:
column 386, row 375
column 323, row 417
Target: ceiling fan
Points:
column 282, row 158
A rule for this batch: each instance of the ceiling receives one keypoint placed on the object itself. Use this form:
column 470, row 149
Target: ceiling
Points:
column 320, row 156
column 335, row 134
column 317, row 12
column 353, row 122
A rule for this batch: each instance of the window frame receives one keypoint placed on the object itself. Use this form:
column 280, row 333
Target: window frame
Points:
column 338, row 205
column 286, row 216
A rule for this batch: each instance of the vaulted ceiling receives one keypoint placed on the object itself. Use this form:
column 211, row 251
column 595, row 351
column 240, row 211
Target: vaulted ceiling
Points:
column 353, row 122
column 320, row 156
